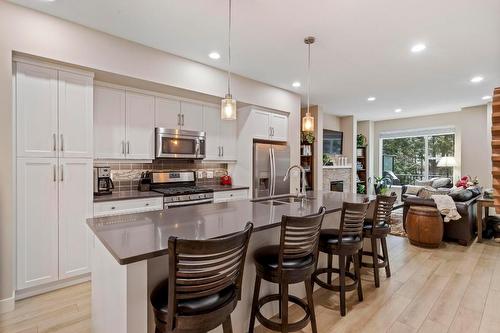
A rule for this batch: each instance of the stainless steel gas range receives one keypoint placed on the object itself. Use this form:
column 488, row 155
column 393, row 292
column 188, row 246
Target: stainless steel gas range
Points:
column 179, row 189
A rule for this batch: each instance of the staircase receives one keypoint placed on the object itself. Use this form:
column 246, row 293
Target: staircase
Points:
column 495, row 144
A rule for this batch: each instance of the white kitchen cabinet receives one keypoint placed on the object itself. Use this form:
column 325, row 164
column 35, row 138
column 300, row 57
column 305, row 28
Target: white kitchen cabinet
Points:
column 221, row 136
column 75, row 115
column 119, row 207
column 279, row 127
column 268, row 126
column 227, row 196
column 191, row 116
column 109, row 123
column 36, row 111
column 167, row 113
column 37, row 221
column 75, row 206
column 139, row 126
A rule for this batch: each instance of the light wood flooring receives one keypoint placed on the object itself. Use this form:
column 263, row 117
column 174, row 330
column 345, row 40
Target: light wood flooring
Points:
column 450, row 289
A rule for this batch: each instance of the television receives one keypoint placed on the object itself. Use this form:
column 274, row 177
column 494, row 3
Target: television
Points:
column 332, row 142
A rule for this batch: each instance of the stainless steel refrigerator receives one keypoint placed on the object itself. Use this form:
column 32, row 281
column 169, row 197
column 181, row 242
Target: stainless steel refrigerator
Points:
column 270, row 162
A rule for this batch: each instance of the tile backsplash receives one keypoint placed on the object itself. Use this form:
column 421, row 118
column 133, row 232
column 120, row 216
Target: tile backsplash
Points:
column 126, row 175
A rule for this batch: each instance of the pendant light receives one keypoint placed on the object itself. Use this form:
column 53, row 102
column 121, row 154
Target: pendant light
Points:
column 228, row 104
column 308, row 119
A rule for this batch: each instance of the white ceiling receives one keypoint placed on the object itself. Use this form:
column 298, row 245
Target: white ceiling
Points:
column 362, row 49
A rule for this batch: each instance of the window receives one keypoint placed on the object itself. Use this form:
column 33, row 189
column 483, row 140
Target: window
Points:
column 414, row 155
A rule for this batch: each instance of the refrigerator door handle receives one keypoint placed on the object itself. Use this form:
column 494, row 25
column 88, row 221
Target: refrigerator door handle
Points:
column 271, row 165
column 273, row 170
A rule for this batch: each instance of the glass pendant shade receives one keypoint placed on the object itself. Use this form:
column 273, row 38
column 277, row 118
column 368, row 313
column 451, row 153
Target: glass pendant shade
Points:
column 308, row 123
column 228, row 108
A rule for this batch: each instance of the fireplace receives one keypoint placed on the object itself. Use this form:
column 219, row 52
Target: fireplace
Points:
column 337, row 186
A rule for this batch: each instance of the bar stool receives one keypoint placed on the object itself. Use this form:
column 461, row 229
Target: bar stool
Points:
column 345, row 242
column 377, row 228
column 204, row 283
column 292, row 261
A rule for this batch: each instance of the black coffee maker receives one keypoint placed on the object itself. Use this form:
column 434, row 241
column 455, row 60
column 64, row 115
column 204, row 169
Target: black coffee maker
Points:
column 103, row 184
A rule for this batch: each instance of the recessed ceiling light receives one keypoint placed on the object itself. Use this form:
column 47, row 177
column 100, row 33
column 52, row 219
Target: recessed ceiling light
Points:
column 418, row 48
column 214, row 55
column 477, row 79
column 371, row 99
column 398, row 110
column 486, row 97
column 296, row 84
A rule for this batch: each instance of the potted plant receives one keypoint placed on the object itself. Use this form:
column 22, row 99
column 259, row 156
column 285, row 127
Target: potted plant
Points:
column 308, row 137
column 361, row 141
column 382, row 185
column 361, row 189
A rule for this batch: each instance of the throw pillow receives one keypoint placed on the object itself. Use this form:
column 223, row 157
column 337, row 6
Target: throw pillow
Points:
column 423, row 183
column 461, row 195
column 413, row 189
column 441, row 182
column 427, row 192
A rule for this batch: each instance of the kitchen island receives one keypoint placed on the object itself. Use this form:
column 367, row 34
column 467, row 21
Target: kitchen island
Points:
column 129, row 256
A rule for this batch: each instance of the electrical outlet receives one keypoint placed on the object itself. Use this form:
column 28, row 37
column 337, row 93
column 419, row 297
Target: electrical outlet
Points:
column 210, row 174
column 199, row 174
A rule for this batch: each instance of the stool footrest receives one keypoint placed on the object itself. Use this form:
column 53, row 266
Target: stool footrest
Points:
column 275, row 326
column 381, row 264
column 348, row 287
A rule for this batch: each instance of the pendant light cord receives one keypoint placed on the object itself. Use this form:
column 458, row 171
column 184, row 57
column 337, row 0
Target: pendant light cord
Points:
column 229, row 53
column 308, row 75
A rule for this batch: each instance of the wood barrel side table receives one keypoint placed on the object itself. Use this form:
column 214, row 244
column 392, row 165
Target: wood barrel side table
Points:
column 424, row 226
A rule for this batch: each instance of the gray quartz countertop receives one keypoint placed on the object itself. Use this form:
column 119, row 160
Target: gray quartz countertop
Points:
column 220, row 188
column 126, row 195
column 135, row 237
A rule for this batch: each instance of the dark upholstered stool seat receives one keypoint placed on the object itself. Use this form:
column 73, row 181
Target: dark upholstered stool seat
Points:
column 186, row 307
column 330, row 237
column 268, row 257
column 382, row 228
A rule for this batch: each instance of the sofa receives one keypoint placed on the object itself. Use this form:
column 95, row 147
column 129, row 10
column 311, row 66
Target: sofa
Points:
column 462, row 231
column 440, row 184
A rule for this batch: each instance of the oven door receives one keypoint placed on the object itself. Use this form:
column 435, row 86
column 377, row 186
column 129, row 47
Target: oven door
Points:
column 180, row 145
column 187, row 203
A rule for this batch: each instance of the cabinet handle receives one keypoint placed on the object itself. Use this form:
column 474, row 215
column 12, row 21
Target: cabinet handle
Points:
column 222, row 148
column 62, row 142
column 147, row 204
column 62, row 172
column 123, row 147
column 218, row 151
column 55, row 174
column 54, row 139
column 270, row 131
column 178, row 119
column 128, row 147
column 182, row 116
column 113, row 207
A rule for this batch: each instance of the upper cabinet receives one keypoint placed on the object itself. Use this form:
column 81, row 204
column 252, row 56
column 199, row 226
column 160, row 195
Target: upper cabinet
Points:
column 54, row 112
column 123, row 124
column 173, row 114
column 221, row 136
column 267, row 126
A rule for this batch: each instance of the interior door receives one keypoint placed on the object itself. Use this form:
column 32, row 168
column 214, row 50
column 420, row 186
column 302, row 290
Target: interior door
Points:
column 167, row 113
column 36, row 111
column 281, row 155
column 212, row 126
column 75, row 206
column 139, row 126
column 75, row 115
column 109, row 123
column 262, row 176
column 37, row 222
column 192, row 116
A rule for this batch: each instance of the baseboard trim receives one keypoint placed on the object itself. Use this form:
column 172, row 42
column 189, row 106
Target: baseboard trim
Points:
column 30, row 292
column 8, row 304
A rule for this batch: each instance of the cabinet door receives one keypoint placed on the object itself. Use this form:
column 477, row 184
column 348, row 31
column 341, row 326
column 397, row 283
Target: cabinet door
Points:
column 212, row 124
column 279, row 125
column 260, row 125
column 36, row 110
column 75, row 115
column 192, row 116
column 37, row 227
column 228, row 139
column 139, row 123
column 75, row 206
column 167, row 113
column 109, row 123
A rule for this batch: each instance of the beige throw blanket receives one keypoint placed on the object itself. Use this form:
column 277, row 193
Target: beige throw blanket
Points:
column 446, row 207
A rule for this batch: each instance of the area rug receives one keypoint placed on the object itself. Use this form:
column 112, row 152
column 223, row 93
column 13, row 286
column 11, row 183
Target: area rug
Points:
column 397, row 228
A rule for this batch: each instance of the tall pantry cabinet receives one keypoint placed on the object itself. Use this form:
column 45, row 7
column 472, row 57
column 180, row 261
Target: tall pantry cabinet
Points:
column 54, row 144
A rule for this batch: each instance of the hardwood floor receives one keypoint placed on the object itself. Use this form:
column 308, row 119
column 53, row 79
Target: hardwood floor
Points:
column 450, row 289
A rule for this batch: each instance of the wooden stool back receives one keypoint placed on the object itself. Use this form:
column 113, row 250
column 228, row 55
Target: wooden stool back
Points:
column 352, row 220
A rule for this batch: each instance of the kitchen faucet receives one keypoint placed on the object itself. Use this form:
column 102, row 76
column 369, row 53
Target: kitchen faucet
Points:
column 302, row 193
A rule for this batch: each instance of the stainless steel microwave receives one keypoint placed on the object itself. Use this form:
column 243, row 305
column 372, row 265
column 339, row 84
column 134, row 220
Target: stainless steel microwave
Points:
column 175, row 143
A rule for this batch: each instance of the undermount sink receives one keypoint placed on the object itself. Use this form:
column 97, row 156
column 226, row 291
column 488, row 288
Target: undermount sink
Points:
column 281, row 200
column 271, row 202
column 291, row 199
